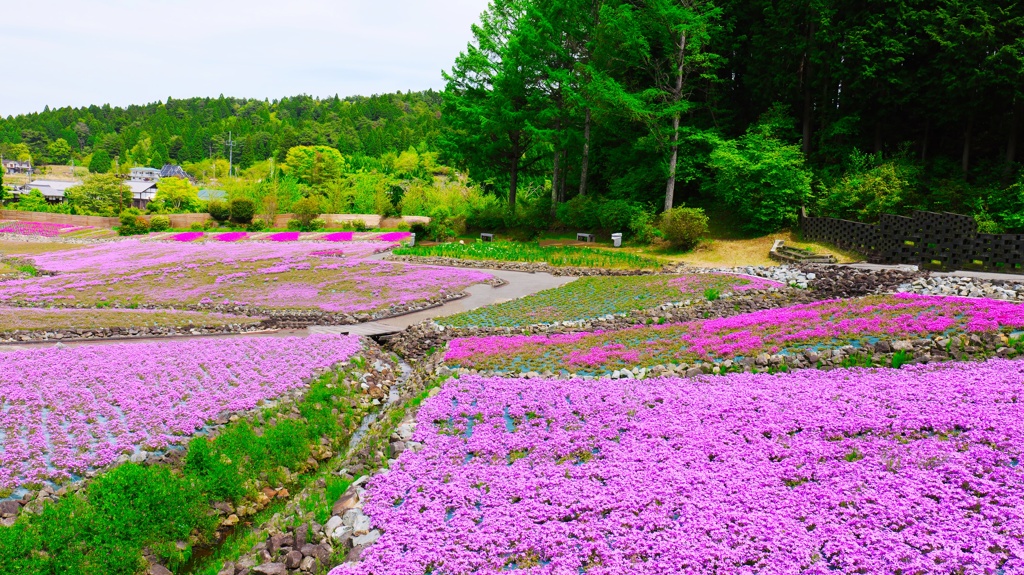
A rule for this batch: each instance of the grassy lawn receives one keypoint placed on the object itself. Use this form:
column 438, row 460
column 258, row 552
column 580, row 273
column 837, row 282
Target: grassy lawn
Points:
column 555, row 255
column 10, row 248
column 593, row 297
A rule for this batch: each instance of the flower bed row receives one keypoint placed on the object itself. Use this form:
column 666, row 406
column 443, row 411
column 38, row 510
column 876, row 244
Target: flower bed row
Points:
column 859, row 471
column 286, row 236
column 44, row 229
column 594, row 297
column 29, row 323
column 816, row 326
column 237, row 277
column 68, row 411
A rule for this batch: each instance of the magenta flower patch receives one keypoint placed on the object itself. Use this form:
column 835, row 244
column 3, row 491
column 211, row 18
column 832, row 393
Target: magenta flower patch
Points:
column 283, row 237
column 849, row 471
column 394, row 236
column 337, row 237
column 231, row 237
column 66, row 411
column 827, row 324
column 187, row 236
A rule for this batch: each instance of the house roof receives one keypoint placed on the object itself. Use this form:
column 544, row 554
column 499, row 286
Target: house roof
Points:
column 54, row 184
column 212, row 195
column 174, row 170
column 140, row 189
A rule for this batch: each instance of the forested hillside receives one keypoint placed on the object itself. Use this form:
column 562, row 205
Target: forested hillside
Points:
column 745, row 107
column 196, row 129
column 857, row 108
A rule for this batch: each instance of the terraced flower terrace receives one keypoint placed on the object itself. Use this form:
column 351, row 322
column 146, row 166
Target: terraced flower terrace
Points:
column 593, row 297
column 855, row 471
column 66, row 411
column 817, row 326
column 42, row 319
column 250, row 275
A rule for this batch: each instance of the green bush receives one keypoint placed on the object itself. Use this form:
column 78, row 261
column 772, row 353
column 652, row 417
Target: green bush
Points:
column 242, row 210
column 487, row 216
column 305, row 211
column 641, row 227
column 616, row 215
column 760, row 177
column 257, row 225
column 442, row 225
column 219, row 210
column 159, row 223
column 132, row 223
column 294, row 225
column 197, row 227
column 403, row 226
column 580, row 213
column 684, row 227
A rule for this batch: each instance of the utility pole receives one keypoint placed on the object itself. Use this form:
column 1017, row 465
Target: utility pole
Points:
column 231, row 152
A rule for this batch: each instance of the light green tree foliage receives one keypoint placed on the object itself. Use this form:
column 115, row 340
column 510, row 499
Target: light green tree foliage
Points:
column 100, row 162
column 100, row 195
column 314, row 165
column 176, row 195
column 59, row 151
column 760, row 177
column 19, row 152
column 869, row 188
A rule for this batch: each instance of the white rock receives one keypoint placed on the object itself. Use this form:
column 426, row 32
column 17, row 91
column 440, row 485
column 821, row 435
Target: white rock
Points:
column 367, row 539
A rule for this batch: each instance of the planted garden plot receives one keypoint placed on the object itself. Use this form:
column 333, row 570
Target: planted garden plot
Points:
column 41, row 319
column 44, row 229
column 250, row 275
column 69, row 410
column 816, row 327
column 852, row 471
column 593, row 297
column 517, row 252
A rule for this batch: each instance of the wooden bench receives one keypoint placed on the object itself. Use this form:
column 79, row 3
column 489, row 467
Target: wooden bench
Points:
column 487, row 237
column 581, row 237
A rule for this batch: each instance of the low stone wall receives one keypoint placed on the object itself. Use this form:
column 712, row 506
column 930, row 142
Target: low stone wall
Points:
column 529, row 267
column 28, row 336
column 63, row 219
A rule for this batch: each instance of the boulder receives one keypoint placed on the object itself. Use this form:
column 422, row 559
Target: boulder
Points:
column 270, row 569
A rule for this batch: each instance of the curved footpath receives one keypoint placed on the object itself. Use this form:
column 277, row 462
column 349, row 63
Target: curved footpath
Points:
column 518, row 284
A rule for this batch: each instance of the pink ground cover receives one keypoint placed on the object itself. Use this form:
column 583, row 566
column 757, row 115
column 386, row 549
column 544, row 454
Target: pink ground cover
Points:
column 187, row 236
column 231, row 236
column 884, row 471
column 283, row 237
column 337, row 237
column 262, row 275
column 45, row 229
column 829, row 323
column 394, row 236
column 69, row 410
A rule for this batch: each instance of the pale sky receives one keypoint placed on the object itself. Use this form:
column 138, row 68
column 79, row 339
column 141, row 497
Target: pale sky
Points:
column 82, row 52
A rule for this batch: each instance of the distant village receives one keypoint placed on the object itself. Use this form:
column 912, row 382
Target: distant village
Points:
column 142, row 181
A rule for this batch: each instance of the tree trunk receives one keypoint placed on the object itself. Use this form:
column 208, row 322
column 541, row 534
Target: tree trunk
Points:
column 670, row 187
column 677, row 94
column 965, row 160
column 555, row 177
column 924, row 144
column 808, row 101
column 513, row 182
column 1011, row 142
column 586, row 154
column 561, row 181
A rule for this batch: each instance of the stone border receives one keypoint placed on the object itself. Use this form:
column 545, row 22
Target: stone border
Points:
column 529, row 267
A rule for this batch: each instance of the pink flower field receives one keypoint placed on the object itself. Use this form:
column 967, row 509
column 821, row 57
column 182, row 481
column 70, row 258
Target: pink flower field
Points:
column 46, row 230
column 850, row 471
column 66, row 411
column 265, row 275
column 826, row 324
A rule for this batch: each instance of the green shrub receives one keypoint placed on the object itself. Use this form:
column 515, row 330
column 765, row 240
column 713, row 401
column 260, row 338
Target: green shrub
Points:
column 294, row 225
column 242, row 210
column 305, row 211
column 684, row 227
column 442, row 224
column 219, row 210
column 712, row 294
column 159, row 223
column 132, row 223
column 257, row 225
column 616, row 215
column 580, row 213
column 403, row 226
column 487, row 216
column 197, row 226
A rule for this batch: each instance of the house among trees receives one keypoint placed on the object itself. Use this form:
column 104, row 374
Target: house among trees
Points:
column 16, row 167
column 143, row 174
column 174, row 171
column 52, row 190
